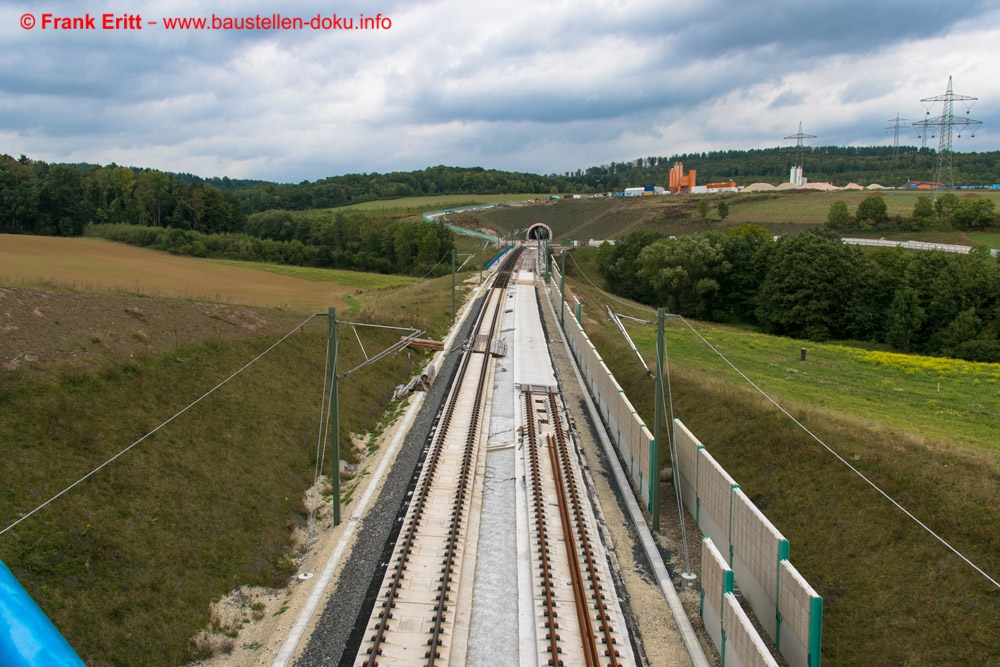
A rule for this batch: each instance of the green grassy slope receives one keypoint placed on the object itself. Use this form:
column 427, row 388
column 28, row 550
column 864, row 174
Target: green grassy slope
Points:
column 780, row 212
column 126, row 563
column 893, row 594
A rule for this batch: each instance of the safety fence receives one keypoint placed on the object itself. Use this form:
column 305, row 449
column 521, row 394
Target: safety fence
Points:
column 915, row 245
column 727, row 624
column 746, row 553
column 753, row 551
column 629, row 434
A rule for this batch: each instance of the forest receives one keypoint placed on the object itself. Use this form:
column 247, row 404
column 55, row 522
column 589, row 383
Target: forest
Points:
column 838, row 165
column 152, row 209
column 814, row 286
column 945, row 212
column 59, row 199
column 344, row 240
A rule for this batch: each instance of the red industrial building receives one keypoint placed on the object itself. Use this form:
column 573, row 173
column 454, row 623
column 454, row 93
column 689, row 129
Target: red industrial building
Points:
column 678, row 181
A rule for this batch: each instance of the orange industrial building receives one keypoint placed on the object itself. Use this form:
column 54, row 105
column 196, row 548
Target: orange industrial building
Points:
column 678, row 181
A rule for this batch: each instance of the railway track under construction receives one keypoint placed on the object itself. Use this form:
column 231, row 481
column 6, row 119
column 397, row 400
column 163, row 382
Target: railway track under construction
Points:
column 422, row 614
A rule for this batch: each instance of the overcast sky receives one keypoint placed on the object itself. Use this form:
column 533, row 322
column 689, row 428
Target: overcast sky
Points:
column 514, row 85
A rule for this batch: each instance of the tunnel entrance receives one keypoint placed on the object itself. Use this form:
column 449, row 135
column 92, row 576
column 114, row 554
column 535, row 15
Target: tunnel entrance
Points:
column 539, row 231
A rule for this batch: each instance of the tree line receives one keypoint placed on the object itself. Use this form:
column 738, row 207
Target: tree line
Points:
column 357, row 188
column 346, row 240
column 814, row 286
column 946, row 212
column 838, row 165
column 61, row 199
column 150, row 208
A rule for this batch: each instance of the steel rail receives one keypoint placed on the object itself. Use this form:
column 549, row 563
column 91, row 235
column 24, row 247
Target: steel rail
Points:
column 544, row 564
column 374, row 651
column 465, row 475
column 570, row 501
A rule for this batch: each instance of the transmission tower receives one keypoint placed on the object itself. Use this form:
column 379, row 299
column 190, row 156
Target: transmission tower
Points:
column 946, row 121
column 797, row 169
column 897, row 123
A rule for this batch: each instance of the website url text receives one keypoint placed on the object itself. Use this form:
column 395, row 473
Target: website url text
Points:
column 257, row 22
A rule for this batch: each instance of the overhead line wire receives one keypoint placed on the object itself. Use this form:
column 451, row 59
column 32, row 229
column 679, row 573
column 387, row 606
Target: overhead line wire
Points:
column 817, row 439
column 178, row 414
column 842, row 459
column 610, row 296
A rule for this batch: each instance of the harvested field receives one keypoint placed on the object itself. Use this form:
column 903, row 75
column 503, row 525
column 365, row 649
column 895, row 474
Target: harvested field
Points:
column 46, row 329
column 95, row 265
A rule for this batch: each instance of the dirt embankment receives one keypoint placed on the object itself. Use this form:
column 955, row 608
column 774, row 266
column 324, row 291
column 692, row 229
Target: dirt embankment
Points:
column 49, row 329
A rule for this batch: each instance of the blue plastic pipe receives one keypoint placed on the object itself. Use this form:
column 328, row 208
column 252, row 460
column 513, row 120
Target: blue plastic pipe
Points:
column 27, row 636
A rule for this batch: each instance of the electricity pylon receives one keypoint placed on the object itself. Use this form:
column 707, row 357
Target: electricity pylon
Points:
column 946, row 121
column 797, row 169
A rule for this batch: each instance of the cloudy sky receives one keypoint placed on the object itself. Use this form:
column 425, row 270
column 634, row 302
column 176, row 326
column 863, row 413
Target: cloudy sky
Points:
column 529, row 86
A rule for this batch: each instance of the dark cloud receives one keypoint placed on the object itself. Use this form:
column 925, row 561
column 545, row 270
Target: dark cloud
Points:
column 795, row 29
column 527, row 87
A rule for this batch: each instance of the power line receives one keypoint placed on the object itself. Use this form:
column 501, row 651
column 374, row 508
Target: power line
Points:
column 897, row 123
column 795, row 176
column 823, row 444
column 840, row 458
column 799, row 145
column 630, row 304
column 191, row 405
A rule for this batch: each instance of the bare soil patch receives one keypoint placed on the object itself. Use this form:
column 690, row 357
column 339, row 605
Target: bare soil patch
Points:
column 44, row 329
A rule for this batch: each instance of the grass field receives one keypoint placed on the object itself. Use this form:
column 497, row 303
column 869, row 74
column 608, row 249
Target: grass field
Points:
column 127, row 563
column 893, row 595
column 954, row 402
column 992, row 240
column 354, row 279
column 417, row 205
column 812, row 205
column 95, row 265
column 778, row 212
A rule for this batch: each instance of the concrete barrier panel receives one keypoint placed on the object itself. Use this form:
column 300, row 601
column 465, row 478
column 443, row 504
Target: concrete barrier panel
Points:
column 800, row 633
column 687, row 451
column 758, row 541
column 716, row 581
column 715, row 491
column 744, row 647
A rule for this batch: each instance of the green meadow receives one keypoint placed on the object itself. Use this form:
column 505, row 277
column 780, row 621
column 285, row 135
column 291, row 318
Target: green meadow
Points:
column 355, row 279
column 924, row 430
column 417, row 205
column 949, row 400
